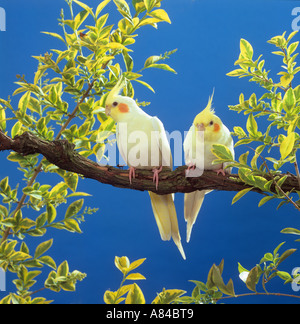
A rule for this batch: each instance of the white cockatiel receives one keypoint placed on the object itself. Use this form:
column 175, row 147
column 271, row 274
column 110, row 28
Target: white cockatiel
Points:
column 143, row 144
column 207, row 130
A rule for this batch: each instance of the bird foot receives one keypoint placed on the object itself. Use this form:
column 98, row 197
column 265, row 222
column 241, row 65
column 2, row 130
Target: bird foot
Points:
column 220, row 171
column 156, row 172
column 131, row 174
column 191, row 166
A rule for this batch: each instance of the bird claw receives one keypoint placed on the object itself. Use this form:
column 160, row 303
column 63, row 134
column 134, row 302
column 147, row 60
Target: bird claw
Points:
column 191, row 166
column 131, row 174
column 156, row 173
column 220, row 171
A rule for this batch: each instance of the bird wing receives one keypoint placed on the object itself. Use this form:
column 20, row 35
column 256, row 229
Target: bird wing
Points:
column 166, row 219
column 192, row 205
column 187, row 147
column 230, row 145
column 122, row 143
column 162, row 142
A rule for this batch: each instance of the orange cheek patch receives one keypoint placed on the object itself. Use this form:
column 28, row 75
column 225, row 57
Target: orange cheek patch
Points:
column 217, row 127
column 123, row 108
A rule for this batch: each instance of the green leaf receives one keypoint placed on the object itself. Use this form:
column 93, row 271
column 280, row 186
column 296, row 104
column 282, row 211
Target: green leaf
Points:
column 77, row 194
column 51, row 213
column 80, row 18
column 68, row 286
column 135, row 276
column 241, row 268
column 160, row 14
column 253, row 100
column 27, row 223
column 2, row 119
column 128, row 61
column 135, row 296
column 237, row 72
column 149, row 4
column 42, row 248
column 4, row 184
column 19, row 256
column 287, row 145
column 72, row 225
column 284, row 275
column 246, row 49
column 23, row 103
column 260, row 182
column 240, row 194
column 286, row 79
column 168, row 296
column 286, row 254
column 38, row 74
column 48, row 261
column 114, row 45
column 41, row 220
column 122, row 263
column 74, row 208
column 63, row 269
column 85, row 7
column 136, row 264
column 123, row 7
column 277, row 249
column 109, row 297
column 252, row 125
column 57, row 189
column 222, row 152
column 16, row 129
column 289, row 100
column 291, row 231
column 165, row 67
column 56, row 36
column 101, row 6
column 71, row 179
column 243, row 159
column 151, row 60
column 252, row 279
column 265, row 200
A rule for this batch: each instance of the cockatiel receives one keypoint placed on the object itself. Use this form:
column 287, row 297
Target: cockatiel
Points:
column 209, row 128
column 152, row 152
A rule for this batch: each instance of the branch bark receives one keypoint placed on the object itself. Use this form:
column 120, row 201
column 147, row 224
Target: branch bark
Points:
column 63, row 154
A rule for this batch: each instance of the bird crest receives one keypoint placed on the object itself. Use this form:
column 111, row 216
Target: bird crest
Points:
column 116, row 90
column 209, row 105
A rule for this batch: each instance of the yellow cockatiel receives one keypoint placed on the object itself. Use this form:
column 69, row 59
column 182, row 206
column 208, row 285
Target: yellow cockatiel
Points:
column 207, row 130
column 143, row 144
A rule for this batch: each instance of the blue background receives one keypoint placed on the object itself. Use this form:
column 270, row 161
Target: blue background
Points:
column 207, row 35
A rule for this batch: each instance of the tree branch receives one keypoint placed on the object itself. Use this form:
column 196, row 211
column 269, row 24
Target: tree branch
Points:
column 63, row 154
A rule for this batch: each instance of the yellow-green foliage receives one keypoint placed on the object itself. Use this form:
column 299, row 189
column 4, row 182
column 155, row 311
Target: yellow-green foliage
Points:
column 280, row 105
column 132, row 293
column 65, row 99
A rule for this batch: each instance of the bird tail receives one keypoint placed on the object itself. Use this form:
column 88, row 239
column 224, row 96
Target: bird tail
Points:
column 166, row 219
column 192, row 205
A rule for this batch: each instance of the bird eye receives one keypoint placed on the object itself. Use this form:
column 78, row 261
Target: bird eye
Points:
column 211, row 123
column 115, row 104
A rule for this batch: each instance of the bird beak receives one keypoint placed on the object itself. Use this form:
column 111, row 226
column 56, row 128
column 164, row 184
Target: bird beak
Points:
column 201, row 127
column 107, row 110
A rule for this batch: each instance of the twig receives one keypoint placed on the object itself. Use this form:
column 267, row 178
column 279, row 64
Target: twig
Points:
column 276, row 184
column 63, row 154
column 297, row 170
column 259, row 294
column 39, row 167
